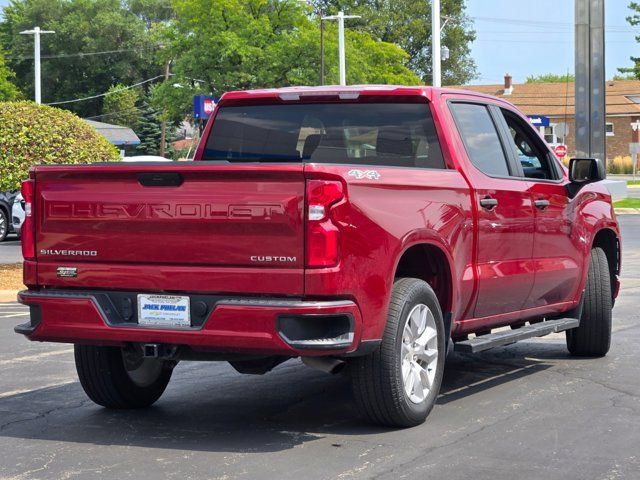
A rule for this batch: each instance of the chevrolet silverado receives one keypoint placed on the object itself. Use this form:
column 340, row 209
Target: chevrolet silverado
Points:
column 372, row 227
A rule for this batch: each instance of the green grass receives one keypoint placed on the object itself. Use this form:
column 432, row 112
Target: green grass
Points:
column 627, row 203
column 633, row 182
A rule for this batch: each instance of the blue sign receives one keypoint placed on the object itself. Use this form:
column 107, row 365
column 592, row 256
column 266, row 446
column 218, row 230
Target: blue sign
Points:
column 539, row 120
column 203, row 106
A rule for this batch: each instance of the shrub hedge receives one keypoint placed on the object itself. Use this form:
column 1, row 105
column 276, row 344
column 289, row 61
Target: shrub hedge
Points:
column 32, row 134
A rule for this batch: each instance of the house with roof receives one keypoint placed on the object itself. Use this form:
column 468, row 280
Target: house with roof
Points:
column 551, row 108
column 116, row 134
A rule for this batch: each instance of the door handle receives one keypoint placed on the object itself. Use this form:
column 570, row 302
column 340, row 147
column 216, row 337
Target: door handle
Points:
column 541, row 204
column 488, row 203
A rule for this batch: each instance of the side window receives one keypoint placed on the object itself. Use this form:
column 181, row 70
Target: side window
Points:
column 480, row 138
column 531, row 153
column 402, row 135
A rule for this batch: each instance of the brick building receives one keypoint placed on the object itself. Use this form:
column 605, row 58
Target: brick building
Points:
column 555, row 102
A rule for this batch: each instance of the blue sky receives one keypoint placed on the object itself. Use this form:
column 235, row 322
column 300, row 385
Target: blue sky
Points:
column 529, row 37
column 534, row 37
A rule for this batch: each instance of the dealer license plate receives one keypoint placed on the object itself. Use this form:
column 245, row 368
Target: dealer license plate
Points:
column 163, row 311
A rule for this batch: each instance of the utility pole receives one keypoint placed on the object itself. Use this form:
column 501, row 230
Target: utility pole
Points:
column 36, row 32
column 341, row 53
column 321, row 48
column 590, row 79
column 163, row 125
column 435, row 43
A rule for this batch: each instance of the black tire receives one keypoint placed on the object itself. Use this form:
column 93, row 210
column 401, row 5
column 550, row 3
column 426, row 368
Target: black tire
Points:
column 105, row 379
column 4, row 225
column 593, row 337
column 376, row 378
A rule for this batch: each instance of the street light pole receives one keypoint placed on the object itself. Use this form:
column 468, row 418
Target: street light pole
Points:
column 321, row 49
column 36, row 32
column 435, row 43
column 341, row 50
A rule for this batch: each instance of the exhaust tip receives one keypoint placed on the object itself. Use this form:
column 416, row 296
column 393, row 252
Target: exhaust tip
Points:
column 325, row 364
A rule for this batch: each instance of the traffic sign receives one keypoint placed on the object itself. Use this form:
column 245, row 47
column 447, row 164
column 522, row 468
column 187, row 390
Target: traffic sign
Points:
column 561, row 151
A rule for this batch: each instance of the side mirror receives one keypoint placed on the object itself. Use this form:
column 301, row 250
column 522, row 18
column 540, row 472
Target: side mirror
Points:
column 586, row 170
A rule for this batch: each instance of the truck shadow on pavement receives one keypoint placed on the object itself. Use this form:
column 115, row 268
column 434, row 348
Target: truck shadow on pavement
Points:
column 209, row 407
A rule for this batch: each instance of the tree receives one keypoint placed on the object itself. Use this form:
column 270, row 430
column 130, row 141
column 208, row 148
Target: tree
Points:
column 8, row 91
column 98, row 43
column 32, row 134
column 624, row 76
column 242, row 44
column 148, row 131
column 151, row 11
column 120, row 106
column 407, row 23
column 551, row 78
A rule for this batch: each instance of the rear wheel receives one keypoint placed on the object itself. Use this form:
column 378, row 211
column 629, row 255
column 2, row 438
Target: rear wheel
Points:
column 113, row 378
column 593, row 337
column 397, row 385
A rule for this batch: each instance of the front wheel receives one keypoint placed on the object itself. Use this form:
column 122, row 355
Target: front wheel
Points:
column 593, row 337
column 397, row 385
column 113, row 378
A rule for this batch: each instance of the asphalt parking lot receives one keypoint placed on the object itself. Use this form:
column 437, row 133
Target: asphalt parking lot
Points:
column 527, row 411
column 10, row 250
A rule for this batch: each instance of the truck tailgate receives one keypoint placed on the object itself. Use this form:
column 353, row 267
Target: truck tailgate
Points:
column 203, row 215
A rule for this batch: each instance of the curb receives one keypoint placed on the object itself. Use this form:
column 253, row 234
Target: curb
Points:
column 627, row 211
column 8, row 295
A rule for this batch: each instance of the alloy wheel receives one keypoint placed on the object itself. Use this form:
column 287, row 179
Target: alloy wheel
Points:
column 419, row 353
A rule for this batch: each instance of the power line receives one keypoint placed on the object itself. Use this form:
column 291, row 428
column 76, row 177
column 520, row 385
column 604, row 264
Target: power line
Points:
column 107, row 93
column 546, row 24
column 73, row 55
column 548, row 42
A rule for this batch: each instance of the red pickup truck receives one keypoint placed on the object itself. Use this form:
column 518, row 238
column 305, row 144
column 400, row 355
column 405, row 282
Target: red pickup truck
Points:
column 375, row 227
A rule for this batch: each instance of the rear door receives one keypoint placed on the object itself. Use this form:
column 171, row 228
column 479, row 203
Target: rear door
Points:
column 505, row 212
column 557, row 247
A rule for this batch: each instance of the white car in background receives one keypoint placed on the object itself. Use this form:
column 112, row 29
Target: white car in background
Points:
column 17, row 213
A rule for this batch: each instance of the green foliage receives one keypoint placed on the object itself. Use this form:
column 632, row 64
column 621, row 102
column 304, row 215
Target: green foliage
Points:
column 151, row 11
column 81, row 26
column 215, row 46
column 8, row 91
column 551, row 78
column 624, row 76
column 627, row 203
column 120, row 107
column 407, row 23
column 33, row 134
column 243, row 44
column 148, row 131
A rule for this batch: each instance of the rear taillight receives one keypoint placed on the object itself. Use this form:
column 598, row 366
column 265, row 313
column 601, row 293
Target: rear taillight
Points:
column 27, row 232
column 323, row 236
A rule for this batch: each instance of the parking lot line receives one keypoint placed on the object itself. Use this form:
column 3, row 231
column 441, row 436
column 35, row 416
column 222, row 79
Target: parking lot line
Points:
column 27, row 390
column 37, row 356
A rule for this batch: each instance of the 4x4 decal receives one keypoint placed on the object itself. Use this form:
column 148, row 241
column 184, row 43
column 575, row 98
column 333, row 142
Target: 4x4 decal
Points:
column 361, row 174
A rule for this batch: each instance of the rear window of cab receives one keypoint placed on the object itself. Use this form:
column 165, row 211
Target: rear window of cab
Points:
column 384, row 134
